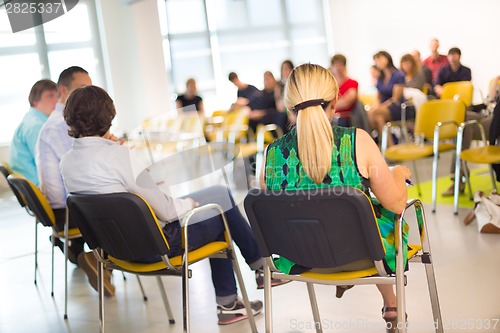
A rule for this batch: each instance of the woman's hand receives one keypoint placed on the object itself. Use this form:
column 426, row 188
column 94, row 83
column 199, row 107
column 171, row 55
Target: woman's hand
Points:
column 401, row 173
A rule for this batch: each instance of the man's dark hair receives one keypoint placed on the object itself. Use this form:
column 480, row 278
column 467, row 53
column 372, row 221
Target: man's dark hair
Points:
column 232, row 76
column 289, row 63
column 89, row 111
column 38, row 88
column 340, row 58
column 66, row 75
column 455, row 50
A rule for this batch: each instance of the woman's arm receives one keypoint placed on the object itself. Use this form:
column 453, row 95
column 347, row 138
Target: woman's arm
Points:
column 262, row 180
column 389, row 186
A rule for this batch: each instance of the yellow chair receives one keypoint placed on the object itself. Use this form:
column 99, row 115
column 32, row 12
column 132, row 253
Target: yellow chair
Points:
column 487, row 154
column 39, row 206
column 436, row 123
column 461, row 90
column 331, row 227
column 122, row 229
column 6, row 171
column 368, row 99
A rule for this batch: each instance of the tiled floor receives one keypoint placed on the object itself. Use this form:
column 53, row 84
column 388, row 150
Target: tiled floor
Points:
column 466, row 264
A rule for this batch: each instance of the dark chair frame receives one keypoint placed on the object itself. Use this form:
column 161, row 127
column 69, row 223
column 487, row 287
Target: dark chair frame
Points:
column 327, row 228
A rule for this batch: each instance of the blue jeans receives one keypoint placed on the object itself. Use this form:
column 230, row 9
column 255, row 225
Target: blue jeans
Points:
column 208, row 227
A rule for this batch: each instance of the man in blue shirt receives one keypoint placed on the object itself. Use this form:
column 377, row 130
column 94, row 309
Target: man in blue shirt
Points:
column 453, row 72
column 42, row 99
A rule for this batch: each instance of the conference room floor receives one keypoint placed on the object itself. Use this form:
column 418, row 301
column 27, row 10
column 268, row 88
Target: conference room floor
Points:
column 465, row 263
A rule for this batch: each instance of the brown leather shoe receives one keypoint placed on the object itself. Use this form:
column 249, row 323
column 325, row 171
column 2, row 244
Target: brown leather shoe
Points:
column 88, row 262
column 451, row 190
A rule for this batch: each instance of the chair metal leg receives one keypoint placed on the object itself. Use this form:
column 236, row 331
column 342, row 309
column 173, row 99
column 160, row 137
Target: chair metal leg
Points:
column 244, row 294
column 400, row 277
column 429, row 271
column 185, row 293
column 436, row 311
column 417, row 181
column 467, row 180
column 268, row 302
column 164, row 297
column 100, row 288
column 457, row 181
column 492, row 176
column 125, row 278
column 140, row 286
column 36, row 247
column 314, row 307
column 52, row 282
column 66, row 249
column 434, row 181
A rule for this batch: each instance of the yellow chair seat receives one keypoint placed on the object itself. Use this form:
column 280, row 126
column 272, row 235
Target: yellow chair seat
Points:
column 195, row 255
column 410, row 151
column 414, row 248
column 482, row 155
column 73, row 232
column 248, row 149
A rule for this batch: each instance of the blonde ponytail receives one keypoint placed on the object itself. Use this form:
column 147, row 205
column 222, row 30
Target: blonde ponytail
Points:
column 314, row 132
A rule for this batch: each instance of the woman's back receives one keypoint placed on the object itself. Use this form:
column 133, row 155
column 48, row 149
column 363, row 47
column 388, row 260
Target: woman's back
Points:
column 284, row 170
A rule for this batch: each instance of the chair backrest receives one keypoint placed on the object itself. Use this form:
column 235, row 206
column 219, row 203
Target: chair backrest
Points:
column 359, row 117
column 322, row 228
column 462, row 89
column 435, row 111
column 121, row 224
column 6, row 172
column 34, row 199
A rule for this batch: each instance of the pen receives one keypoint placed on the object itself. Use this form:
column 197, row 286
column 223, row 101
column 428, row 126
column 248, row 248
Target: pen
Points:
column 408, row 182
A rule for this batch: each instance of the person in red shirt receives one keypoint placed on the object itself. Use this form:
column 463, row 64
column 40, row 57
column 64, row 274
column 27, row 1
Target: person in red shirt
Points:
column 435, row 61
column 348, row 90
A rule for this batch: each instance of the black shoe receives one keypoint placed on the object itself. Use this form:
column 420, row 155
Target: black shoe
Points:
column 235, row 312
column 259, row 278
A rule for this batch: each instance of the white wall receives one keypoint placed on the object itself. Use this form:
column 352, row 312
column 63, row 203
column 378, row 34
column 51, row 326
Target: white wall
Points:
column 133, row 55
column 363, row 27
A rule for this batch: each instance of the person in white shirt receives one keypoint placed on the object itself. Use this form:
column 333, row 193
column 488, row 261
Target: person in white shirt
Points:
column 53, row 143
column 98, row 164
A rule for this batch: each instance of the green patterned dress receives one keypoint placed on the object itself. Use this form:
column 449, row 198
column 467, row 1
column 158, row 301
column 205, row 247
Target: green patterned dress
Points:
column 284, row 171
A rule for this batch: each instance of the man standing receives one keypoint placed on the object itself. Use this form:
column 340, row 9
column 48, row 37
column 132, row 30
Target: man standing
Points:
column 53, row 143
column 348, row 90
column 453, row 72
column 42, row 99
column 435, row 61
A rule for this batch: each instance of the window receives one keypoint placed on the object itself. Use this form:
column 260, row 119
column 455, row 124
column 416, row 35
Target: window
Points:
column 43, row 52
column 207, row 39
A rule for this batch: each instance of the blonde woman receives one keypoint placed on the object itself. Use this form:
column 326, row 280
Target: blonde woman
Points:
column 308, row 157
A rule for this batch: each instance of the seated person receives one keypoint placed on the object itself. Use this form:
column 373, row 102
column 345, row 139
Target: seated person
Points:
column 42, row 99
column 190, row 98
column 390, row 92
column 414, row 77
column 245, row 91
column 262, row 105
column 97, row 164
column 52, row 144
column 311, row 95
column 348, row 90
column 454, row 71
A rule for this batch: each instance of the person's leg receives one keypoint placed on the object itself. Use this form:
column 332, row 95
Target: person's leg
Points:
column 389, row 298
column 378, row 117
column 238, row 226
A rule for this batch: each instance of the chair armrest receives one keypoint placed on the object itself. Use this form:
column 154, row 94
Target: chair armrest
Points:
column 462, row 126
column 186, row 219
